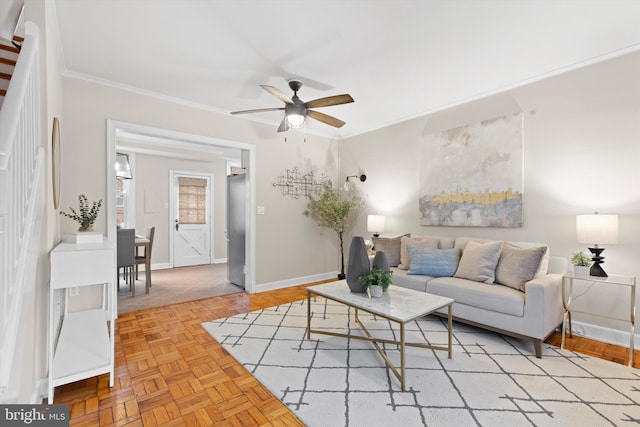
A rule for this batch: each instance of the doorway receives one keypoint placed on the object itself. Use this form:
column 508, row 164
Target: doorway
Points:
column 190, row 210
column 167, row 139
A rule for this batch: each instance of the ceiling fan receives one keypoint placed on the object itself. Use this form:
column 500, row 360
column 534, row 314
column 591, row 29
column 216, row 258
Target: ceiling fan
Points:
column 296, row 111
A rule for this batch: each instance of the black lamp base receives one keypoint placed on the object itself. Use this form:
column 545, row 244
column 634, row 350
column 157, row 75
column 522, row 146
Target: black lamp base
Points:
column 596, row 269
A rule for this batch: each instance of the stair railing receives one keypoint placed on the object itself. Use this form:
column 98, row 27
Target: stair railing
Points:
column 21, row 202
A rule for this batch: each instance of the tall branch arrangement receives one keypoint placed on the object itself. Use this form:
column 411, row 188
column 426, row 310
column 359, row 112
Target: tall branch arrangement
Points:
column 332, row 210
column 86, row 216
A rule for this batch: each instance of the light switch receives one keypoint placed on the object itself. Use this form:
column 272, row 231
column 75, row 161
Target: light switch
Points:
column 260, row 210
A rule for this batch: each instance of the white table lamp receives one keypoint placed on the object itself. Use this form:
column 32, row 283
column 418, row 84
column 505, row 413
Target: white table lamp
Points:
column 375, row 224
column 597, row 230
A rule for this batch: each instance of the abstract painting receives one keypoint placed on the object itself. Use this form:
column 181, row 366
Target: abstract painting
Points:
column 472, row 176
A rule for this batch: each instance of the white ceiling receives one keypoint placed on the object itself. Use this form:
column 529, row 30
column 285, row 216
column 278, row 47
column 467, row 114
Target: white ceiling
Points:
column 398, row 58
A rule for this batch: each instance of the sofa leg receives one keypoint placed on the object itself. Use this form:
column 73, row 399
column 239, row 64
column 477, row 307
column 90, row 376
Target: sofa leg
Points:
column 538, row 346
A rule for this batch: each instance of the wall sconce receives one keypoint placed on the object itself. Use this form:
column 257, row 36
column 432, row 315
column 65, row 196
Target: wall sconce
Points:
column 597, row 229
column 123, row 168
column 361, row 177
column 376, row 224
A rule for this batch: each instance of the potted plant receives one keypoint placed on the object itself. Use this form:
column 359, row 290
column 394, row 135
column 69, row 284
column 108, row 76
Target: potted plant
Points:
column 581, row 263
column 332, row 210
column 85, row 216
column 377, row 281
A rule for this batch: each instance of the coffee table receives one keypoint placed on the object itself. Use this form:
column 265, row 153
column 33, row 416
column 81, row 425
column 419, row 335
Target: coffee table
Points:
column 398, row 304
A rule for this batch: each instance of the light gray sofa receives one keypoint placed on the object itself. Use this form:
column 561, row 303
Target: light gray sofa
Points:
column 531, row 310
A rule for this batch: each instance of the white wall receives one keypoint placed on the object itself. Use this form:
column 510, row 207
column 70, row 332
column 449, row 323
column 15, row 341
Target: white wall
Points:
column 581, row 154
column 289, row 246
column 151, row 178
column 31, row 357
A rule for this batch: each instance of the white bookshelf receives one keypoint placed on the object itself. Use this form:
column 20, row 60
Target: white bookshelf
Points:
column 81, row 343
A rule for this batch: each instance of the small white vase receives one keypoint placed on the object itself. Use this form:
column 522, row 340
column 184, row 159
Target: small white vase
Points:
column 376, row 291
column 580, row 271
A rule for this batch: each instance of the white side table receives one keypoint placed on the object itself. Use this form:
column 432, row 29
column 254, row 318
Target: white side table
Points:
column 83, row 345
column 627, row 281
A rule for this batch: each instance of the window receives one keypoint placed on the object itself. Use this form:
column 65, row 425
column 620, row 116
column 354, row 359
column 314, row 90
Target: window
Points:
column 122, row 201
column 193, row 200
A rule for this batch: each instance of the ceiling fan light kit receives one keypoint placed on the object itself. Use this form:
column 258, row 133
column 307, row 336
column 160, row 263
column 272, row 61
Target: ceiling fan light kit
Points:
column 296, row 111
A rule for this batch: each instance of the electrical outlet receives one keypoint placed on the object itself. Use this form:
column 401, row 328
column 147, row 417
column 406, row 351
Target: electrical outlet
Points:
column 73, row 292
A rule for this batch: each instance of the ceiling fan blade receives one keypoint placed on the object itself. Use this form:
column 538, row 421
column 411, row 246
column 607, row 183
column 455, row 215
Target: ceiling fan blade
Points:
column 277, row 93
column 284, row 125
column 259, row 110
column 330, row 100
column 324, row 118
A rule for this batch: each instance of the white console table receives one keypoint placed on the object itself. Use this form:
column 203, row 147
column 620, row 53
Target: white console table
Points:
column 83, row 346
column 612, row 280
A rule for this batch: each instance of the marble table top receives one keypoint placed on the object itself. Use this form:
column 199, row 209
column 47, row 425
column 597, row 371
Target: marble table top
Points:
column 397, row 303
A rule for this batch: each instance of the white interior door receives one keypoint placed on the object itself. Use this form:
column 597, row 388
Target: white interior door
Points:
column 191, row 226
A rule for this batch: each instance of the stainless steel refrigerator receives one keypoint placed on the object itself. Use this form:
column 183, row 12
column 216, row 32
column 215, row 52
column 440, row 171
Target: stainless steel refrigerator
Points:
column 236, row 228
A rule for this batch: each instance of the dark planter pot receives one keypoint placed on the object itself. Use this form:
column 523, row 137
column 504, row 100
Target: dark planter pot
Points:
column 358, row 264
column 380, row 261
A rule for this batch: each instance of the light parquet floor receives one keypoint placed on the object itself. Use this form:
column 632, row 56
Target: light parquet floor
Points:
column 171, row 372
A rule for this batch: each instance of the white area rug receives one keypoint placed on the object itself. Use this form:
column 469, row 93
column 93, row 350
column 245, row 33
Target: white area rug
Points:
column 492, row 380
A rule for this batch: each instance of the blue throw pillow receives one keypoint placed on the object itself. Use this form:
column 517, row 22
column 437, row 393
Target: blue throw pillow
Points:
column 433, row 262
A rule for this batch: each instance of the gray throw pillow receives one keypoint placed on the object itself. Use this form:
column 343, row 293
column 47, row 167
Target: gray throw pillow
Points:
column 391, row 247
column 478, row 261
column 517, row 266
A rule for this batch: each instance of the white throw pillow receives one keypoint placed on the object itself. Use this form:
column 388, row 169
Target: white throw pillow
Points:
column 478, row 261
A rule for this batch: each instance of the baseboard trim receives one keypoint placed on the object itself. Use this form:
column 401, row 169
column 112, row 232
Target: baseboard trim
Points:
column 599, row 333
column 40, row 391
column 295, row 282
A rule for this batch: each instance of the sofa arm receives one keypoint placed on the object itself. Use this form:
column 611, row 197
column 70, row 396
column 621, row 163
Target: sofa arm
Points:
column 543, row 304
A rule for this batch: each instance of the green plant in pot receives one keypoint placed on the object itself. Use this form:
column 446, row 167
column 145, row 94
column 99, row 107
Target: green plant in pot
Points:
column 581, row 263
column 581, row 259
column 332, row 209
column 376, row 281
column 85, row 216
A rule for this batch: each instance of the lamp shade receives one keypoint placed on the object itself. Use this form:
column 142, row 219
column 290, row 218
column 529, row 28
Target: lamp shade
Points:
column 597, row 229
column 123, row 169
column 376, row 223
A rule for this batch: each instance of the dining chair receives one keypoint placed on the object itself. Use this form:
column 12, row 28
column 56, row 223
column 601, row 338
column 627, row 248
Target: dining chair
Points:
column 141, row 259
column 126, row 254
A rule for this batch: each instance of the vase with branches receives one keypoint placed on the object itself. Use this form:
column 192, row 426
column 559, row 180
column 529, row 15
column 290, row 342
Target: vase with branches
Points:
column 332, row 210
column 85, row 216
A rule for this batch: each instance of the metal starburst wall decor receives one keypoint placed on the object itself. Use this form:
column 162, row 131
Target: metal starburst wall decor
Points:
column 297, row 184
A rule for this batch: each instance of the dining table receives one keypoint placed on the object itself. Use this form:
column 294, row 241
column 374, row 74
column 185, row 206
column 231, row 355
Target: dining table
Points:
column 143, row 242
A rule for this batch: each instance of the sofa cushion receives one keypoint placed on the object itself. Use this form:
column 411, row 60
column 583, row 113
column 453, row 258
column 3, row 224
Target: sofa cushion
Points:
column 543, row 268
column 390, row 246
column 478, row 261
column 415, row 282
column 428, row 242
column 498, row 298
column 433, row 262
column 517, row 266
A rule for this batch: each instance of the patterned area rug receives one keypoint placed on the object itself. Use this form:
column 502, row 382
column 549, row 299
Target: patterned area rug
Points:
column 492, row 380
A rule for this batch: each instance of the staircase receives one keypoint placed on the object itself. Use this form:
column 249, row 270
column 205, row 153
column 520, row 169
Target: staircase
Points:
column 22, row 202
column 8, row 57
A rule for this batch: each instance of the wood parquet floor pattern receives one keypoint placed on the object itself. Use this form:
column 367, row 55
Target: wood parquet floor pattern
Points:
column 171, row 372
